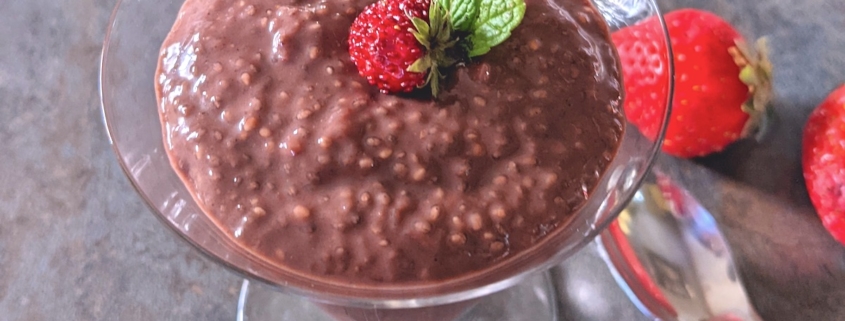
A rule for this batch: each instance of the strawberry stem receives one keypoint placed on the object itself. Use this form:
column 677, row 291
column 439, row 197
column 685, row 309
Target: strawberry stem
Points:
column 439, row 40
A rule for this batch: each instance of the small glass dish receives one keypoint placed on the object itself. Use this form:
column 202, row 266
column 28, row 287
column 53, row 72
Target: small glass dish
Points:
column 130, row 52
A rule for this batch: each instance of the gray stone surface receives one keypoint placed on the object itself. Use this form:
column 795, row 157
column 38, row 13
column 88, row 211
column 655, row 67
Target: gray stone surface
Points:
column 77, row 243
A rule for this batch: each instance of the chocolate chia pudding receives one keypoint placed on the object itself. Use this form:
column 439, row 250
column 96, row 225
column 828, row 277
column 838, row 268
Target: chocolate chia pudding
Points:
column 303, row 163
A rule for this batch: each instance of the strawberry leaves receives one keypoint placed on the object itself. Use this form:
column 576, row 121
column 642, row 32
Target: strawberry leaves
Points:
column 756, row 73
column 436, row 36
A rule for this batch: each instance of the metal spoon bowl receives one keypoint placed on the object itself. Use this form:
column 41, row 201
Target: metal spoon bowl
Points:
column 667, row 254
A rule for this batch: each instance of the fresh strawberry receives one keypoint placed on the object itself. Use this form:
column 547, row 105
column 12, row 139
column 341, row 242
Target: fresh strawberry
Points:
column 401, row 45
column 721, row 90
column 824, row 162
column 383, row 48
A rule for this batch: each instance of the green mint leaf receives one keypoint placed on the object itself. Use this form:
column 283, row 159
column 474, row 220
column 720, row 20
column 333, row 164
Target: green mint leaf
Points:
column 496, row 19
column 462, row 12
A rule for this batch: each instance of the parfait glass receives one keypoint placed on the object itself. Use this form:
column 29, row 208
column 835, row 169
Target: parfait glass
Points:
column 519, row 290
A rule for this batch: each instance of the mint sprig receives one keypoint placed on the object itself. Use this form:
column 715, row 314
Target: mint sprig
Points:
column 462, row 12
column 488, row 22
column 496, row 19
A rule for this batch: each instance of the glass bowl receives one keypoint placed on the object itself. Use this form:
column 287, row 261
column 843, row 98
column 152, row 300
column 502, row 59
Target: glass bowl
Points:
column 130, row 52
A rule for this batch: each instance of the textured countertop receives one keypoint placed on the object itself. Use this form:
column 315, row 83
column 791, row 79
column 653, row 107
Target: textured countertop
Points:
column 77, row 243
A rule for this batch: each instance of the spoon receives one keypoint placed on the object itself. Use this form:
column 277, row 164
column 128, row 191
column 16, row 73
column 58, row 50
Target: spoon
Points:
column 667, row 254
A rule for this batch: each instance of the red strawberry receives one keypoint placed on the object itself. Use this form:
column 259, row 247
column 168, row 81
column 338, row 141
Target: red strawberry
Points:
column 400, row 45
column 712, row 106
column 383, row 47
column 824, row 162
